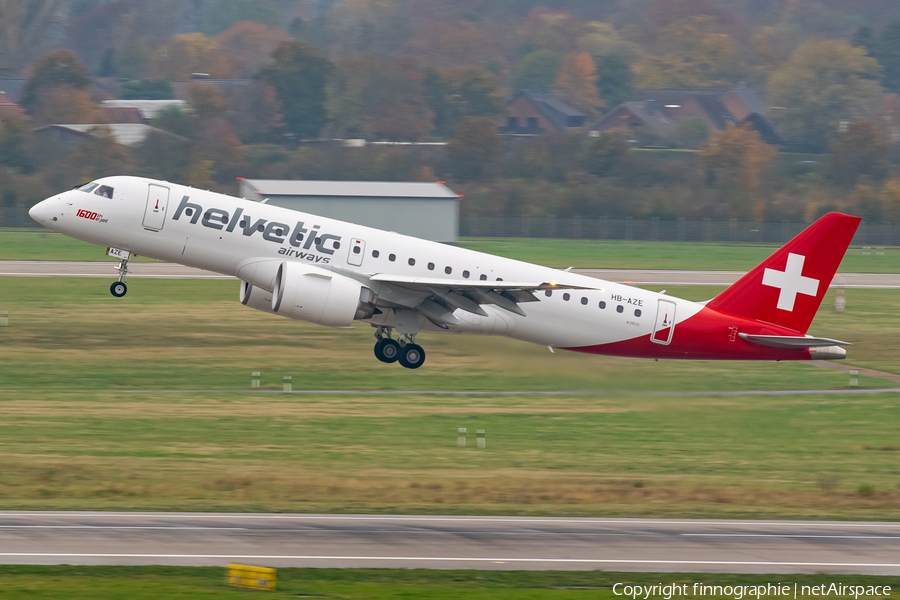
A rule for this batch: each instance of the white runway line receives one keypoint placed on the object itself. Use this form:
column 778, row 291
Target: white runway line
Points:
column 723, row 563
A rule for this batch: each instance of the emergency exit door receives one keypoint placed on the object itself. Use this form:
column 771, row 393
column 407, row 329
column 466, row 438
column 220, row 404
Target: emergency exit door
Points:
column 155, row 212
column 357, row 250
column 664, row 328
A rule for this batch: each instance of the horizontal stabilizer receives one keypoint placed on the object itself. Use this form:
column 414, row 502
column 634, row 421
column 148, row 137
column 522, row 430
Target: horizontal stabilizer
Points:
column 790, row 341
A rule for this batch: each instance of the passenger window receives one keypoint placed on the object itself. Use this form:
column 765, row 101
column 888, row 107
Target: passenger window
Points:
column 602, row 304
column 105, row 191
column 566, row 296
column 620, row 308
column 431, row 266
column 465, row 274
column 356, row 250
column 483, row 277
column 448, row 270
column 337, row 245
column 412, row 262
column 584, row 300
column 548, row 293
column 637, row 312
column 392, row 257
column 375, row 253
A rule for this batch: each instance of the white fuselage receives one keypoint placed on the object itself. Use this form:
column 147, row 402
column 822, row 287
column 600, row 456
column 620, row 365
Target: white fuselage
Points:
column 226, row 234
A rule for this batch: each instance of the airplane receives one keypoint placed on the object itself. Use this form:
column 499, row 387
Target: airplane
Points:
column 334, row 273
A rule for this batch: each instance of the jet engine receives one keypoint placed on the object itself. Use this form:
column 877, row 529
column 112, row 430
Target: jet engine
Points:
column 308, row 293
column 256, row 297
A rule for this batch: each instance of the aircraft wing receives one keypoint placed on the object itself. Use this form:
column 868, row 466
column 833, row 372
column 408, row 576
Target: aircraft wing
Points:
column 437, row 298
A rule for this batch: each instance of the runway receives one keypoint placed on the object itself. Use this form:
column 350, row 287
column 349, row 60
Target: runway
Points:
column 157, row 270
column 448, row 542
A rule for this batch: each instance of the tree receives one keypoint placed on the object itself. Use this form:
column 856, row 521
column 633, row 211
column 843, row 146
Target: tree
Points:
column 577, row 82
column 146, row 89
column 474, row 148
column 823, row 84
column 460, row 92
column 178, row 58
column 16, row 144
column 60, row 68
column 693, row 55
column 247, row 46
column 738, row 158
column 63, row 104
column 887, row 51
column 299, row 76
column 537, row 70
column 219, row 15
column 373, row 97
column 23, row 29
column 607, row 153
column 859, row 150
column 453, row 43
column 614, row 79
column 207, row 101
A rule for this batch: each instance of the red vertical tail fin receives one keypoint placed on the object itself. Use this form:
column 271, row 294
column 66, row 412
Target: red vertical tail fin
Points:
column 787, row 288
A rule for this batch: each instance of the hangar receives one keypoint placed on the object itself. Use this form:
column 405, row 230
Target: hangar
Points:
column 425, row 210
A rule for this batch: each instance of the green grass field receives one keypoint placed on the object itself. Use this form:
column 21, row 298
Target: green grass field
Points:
column 75, row 437
column 182, row 583
column 37, row 244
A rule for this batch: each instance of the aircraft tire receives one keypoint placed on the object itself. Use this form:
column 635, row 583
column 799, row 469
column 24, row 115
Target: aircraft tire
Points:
column 412, row 356
column 387, row 350
column 118, row 289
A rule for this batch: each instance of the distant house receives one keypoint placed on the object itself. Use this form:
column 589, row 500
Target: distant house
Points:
column 659, row 117
column 126, row 134
column 148, row 109
column 537, row 113
column 425, row 210
column 122, row 114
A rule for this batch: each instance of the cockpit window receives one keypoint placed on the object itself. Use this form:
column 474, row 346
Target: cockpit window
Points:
column 105, row 191
column 87, row 187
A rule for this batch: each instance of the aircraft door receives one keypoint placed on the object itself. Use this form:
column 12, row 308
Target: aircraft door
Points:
column 664, row 328
column 357, row 251
column 155, row 212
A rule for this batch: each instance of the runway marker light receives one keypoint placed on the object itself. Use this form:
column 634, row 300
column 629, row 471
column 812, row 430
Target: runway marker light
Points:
column 4, row 318
column 854, row 378
column 255, row 578
column 479, row 433
column 461, row 437
column 254, row 382
column 287, row 383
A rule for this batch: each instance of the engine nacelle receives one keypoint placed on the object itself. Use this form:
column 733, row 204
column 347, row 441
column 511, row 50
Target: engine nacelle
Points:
column 256, row 297
column 308, row 293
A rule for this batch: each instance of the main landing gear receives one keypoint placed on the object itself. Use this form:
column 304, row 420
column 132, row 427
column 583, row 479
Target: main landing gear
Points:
column 405, row 350
column 118, row 288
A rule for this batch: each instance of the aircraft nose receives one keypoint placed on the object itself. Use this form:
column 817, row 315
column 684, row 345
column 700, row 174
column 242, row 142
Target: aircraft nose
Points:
column 42, row 212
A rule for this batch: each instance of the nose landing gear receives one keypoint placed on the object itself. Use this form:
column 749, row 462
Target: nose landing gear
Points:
column 118, row 288
column 405, row 350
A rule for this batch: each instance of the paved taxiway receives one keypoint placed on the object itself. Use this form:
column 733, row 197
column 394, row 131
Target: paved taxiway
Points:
column 159, row 270
column 450, row 542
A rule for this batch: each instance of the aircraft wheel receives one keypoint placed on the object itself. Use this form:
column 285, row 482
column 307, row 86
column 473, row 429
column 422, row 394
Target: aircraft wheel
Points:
column 387, row 350
column 412, row 356
column 118, row 289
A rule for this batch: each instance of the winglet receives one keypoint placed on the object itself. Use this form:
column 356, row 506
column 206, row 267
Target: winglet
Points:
column 787, row 288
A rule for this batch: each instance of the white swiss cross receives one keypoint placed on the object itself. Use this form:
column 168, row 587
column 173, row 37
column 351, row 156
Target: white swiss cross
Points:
column 791, row 282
